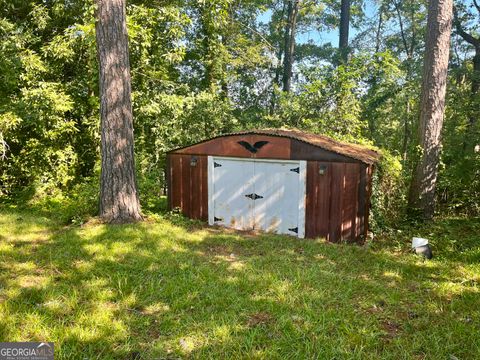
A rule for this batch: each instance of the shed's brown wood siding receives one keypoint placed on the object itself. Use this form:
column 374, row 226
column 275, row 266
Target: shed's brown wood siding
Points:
column 317, row 210
column 304, row 151
column 333, row 209
column 188, row 185
column 337, row 203
column 276, row 148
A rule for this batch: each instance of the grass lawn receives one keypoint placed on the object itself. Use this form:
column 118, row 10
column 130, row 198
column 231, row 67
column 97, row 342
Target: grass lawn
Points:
column 160, row 290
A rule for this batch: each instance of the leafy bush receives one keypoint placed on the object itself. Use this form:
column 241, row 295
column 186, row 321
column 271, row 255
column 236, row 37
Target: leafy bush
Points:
column 176, row 217
column 389, row 192
column 73, row 207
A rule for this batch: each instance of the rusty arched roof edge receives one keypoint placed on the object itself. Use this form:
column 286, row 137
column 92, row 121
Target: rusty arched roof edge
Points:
column 354, row 151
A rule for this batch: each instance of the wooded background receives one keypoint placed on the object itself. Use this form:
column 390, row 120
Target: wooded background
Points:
column 202, row 68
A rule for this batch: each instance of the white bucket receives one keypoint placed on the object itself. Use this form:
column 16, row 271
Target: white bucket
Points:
column 417, row 242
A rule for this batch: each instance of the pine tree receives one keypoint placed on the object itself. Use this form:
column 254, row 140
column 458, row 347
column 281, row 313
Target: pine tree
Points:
column 119, row 201
column 439, row 24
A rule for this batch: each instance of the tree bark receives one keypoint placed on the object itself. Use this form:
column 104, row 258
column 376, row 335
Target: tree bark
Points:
column 344, row 28
column 290, row 31
column 119, row 201
column 439, row 23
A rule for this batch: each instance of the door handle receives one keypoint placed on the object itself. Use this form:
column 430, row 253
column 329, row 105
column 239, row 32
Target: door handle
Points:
column 254, row 196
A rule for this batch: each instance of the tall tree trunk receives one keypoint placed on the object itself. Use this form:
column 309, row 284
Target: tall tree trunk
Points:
column 118, row 189
column 208, row 61
column 344, row 27
column 278, row 68
column 290, row 31
column 281, row 47
column 439, row 23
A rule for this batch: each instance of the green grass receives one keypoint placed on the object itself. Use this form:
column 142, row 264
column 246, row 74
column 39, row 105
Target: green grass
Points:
column 158, row 290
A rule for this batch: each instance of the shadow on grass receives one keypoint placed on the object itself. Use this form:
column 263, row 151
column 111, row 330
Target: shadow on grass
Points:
column 162, row 291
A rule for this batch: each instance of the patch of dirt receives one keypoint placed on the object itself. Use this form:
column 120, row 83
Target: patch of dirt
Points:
column 392, row 328
column 227, row 253
column 217, row 250
column 258, row 319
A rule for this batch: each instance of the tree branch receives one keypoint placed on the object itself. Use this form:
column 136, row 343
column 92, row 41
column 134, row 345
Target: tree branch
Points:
column 477, row 6
column 465, row 36
column 414, row 33
column 402, row 32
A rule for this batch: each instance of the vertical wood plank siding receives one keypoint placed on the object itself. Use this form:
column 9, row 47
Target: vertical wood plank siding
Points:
column 337, row 184
column 189, row 185
column 318, row 200
column 333, row 209
column 350, row 201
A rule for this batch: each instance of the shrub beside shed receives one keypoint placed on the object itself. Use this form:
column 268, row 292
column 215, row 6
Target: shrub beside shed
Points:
column 282, row 181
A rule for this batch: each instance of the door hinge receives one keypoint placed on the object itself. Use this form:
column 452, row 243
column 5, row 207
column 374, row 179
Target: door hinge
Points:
column 295, row 230
column 215, row 164
column 297, row 170
column 215, row 219
column 254, row 196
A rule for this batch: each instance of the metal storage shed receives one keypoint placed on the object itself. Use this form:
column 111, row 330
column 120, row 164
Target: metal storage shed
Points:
column 282, row 181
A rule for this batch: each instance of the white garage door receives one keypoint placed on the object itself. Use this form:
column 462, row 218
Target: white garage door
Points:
column 265, row 195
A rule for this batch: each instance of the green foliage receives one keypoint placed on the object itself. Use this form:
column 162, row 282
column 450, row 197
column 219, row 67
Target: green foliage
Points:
column 43, row 123
column 459, row 178
column 171, row 121
column 176, row 218
column 334, row 101
column 389, row 190
column 202, row 68
column 328, row 103
column 75, row 207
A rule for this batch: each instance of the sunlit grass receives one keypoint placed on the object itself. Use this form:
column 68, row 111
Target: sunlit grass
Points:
column 157, row 290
